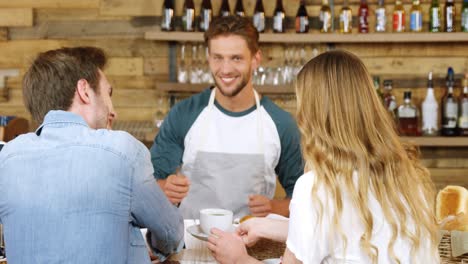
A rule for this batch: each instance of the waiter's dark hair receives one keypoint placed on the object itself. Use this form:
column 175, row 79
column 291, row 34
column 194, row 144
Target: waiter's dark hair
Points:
column 233, row 25
column 51, row 81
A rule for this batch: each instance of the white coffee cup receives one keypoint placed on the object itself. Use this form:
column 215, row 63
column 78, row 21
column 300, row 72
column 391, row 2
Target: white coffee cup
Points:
column 215, row 217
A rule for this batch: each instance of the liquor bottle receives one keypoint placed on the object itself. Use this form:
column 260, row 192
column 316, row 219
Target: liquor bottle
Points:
column 325, row 17
column 225, row 10
column 363, row 13
column 463, row 119
column 259, row 16
column 167, row 20
column 302, row 19
column 380, row 17
column 450, row 107
column 389, row 98
column 408, row 117
column 430, row 110
column 239, row 9
column 399, row 17
column 376, row 80
column 188, row 17
column 206, row 15
column 464, row 16
column 346, row 18
column 434, row 17
column 416, row 17
column 449, row 16
column 279, row 17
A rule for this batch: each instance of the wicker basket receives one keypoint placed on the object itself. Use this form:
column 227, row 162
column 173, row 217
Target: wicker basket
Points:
column 445, row 251
column 267, row 249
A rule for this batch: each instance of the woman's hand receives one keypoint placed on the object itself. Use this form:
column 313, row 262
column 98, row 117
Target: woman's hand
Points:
column 228, row 248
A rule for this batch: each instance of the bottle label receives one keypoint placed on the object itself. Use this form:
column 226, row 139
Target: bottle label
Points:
column 398, row 21
column 464, row 20
column 381, row 20
column 302, row 24
column 205, row 19
column 435, row 19
column 407, row 112
column 188, row 19
column 166, row 21
column 259, row 21
column 429, row 115
column 278, row 22
column 345, row 21
column 464, row 114
column 449, row 19
column 416, row 21
column 363, row 23
column 451, row 113
column 325, row 19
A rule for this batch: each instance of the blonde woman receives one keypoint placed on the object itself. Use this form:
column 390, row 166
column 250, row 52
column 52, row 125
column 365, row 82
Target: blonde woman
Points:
column 364, row 198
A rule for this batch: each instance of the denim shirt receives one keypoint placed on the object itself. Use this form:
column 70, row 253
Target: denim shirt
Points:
column 73, row 194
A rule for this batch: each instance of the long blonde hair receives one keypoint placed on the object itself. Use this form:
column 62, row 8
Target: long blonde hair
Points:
column 344, row 129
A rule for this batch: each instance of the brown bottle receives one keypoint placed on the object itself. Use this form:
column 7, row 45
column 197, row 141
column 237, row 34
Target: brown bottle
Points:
column 225, row 10
column 188, row 16
column 206, row 15
column 302, row 19
column 239, row 9
column 279, row 17
column 259, row 16
column 449, row 16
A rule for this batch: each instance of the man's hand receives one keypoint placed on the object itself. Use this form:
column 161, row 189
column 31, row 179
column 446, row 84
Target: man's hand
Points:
column 176, row 187
column 259, row 205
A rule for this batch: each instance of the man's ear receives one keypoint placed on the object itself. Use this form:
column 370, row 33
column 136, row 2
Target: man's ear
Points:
column 82, row 90
column 256, row 59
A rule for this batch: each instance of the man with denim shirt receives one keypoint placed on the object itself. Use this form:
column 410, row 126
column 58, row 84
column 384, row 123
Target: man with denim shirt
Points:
column 74, row 191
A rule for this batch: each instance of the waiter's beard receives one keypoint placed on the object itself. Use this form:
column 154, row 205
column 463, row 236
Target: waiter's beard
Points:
column 237, row 89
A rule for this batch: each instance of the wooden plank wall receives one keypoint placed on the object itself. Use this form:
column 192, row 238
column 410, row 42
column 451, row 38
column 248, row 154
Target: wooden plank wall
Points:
column 31, row 26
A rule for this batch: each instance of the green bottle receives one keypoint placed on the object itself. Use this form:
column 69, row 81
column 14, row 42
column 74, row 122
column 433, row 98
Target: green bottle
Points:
column 434, row 17
column 464, row 16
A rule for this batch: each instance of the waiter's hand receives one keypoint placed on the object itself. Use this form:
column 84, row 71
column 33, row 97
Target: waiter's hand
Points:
column 176, row 187
column 259, row 205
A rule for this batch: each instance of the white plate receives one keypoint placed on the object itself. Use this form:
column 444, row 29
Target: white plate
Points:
column 196, row 231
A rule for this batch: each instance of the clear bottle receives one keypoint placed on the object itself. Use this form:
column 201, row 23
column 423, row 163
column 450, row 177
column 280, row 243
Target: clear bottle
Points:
column 434, row 17
column 279, row 18
column 449, row 107
column 239, row 9
column 259, row 16
column 449, row 16
column 389, row 98
column 325, row 17
column 408, row 117
column 167, row 20
column 346, row 19
column 463, row 119
column 188, row 16
column 302, row 19
column 399, row 17
column 430, row 110
column 416, row 17
column 225, row 10
column 206, row 15
column 464, row 16
column 380, row 17
column 363, row 14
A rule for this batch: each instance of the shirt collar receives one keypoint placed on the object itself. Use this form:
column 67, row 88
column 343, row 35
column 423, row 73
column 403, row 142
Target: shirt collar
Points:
column 60, row 116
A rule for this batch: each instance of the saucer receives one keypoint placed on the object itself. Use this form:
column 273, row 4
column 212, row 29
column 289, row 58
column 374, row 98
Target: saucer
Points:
column 196, row 231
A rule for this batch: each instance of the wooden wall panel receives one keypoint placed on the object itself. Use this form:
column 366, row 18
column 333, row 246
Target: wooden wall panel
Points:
column 16, row 17
column 50, row 3
column 125, row 66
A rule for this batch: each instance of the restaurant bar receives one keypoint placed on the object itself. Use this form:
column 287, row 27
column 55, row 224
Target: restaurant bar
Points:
column 233, row 131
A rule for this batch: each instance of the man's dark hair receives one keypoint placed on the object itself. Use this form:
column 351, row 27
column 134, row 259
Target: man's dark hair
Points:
column 50, row 83
column 233, row 25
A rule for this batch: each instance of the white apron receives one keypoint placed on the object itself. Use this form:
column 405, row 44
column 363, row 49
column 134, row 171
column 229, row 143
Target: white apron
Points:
column 225, row 180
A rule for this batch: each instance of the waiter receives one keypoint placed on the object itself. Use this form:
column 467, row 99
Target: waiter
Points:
column 225, row 146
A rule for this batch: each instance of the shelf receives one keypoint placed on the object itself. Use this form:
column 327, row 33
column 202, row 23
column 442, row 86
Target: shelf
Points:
column 323, row 38
column 438, row 141
column 195, row 88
